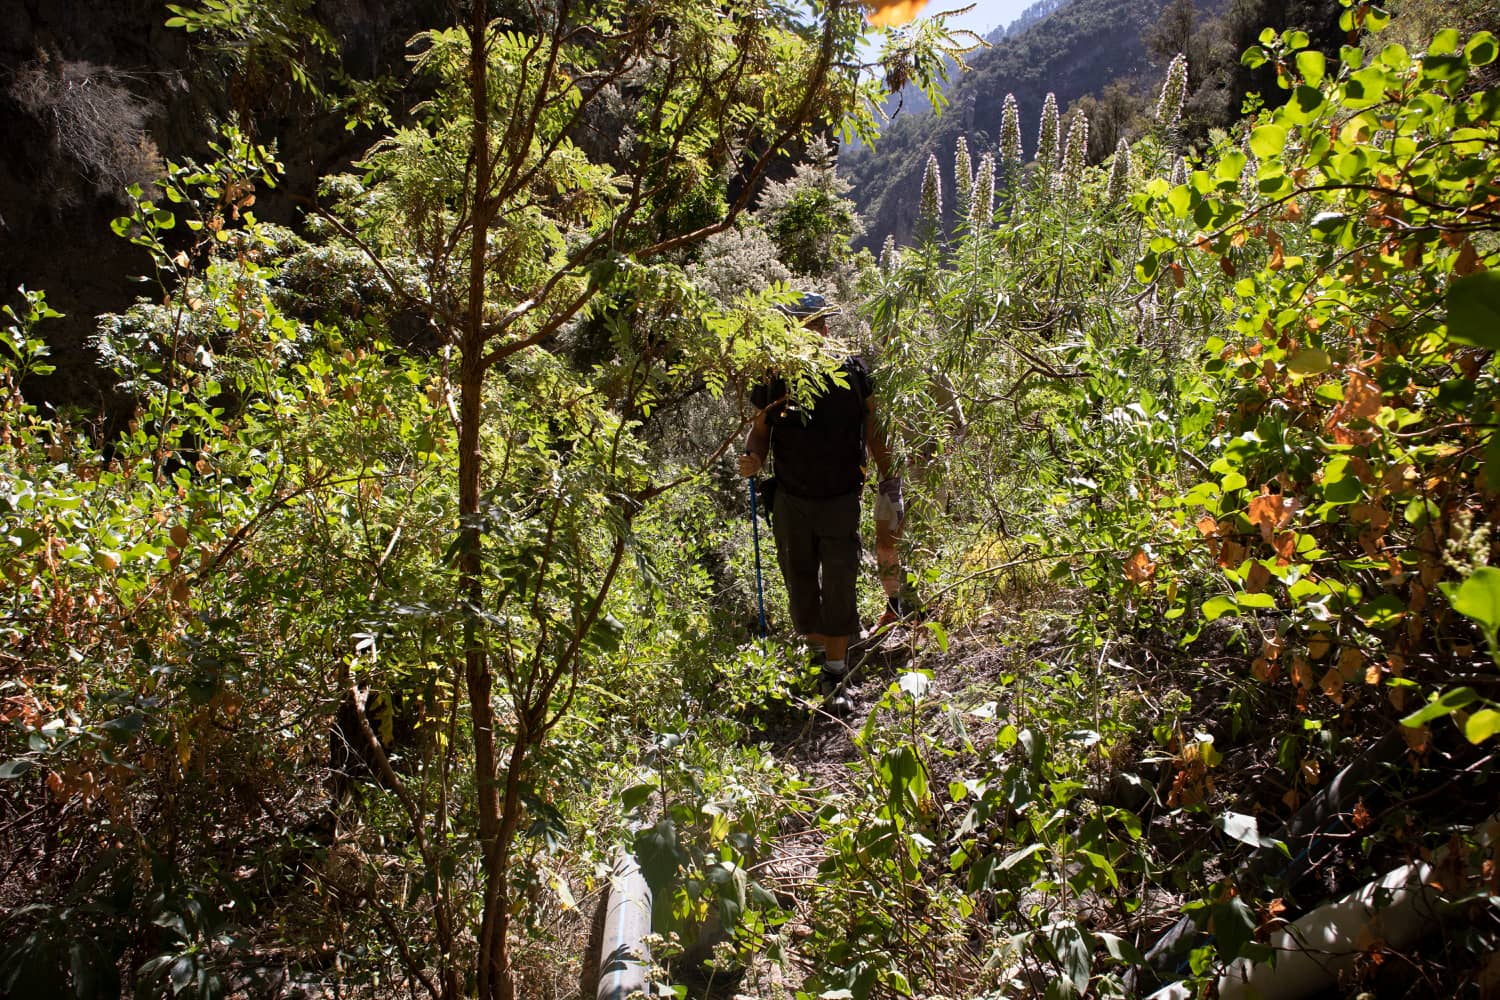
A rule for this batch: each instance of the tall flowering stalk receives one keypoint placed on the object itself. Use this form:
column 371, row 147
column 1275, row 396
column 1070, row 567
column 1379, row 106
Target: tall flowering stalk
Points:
column 1047, row 144
column 963, row 177
column 1119, row 175
column 890, row 257
column 930, row 208
column 1179, row 172
column 982, row 212
column 1010, row 145
column 1173, row 96
column 1075, row 158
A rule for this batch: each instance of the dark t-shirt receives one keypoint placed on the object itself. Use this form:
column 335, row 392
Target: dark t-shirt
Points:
column 819, row 452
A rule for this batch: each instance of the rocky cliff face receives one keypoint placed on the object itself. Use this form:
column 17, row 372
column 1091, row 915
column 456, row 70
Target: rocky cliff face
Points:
column 96, row 96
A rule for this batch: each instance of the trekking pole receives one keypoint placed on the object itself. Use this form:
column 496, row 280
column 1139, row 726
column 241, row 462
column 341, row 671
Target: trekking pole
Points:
column 760, row 597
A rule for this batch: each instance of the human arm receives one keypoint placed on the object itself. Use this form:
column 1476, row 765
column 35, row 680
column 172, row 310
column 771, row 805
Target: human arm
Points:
column 757, row 445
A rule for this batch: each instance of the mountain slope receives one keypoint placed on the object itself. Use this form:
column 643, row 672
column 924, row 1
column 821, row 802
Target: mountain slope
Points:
column 1075, row 50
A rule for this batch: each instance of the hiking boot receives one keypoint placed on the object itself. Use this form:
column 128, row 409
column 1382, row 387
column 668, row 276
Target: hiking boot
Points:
column 831, row 687
column 898, row 610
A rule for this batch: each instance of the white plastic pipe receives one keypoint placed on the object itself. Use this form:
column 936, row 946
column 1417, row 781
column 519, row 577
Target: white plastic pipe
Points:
column 624, row 959
column 1397, row 909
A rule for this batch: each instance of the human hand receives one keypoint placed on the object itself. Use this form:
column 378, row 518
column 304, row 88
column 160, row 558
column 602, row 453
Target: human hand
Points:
column 750, row 464
column 889, row 504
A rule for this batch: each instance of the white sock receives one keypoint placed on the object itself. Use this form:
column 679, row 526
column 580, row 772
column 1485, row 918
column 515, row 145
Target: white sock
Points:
column 835, row 667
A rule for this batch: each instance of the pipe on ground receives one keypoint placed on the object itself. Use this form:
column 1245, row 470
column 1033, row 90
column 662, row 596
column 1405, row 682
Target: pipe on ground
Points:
column 624, row 958
column 1312, row 953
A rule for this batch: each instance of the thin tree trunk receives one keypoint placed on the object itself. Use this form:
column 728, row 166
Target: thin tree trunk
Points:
column 477, row 672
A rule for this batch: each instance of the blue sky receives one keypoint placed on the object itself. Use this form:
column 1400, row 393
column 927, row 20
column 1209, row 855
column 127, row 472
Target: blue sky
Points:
column 986, row 16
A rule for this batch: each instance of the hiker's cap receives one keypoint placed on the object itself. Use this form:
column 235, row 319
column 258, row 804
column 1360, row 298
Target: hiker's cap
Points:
column 808, row 304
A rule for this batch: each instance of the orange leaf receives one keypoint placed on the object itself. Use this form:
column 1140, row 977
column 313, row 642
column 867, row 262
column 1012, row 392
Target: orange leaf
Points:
column 1362, row 397
column 1208, row 526
column 1285, row 545
column 891, row 13
column 1318, row 646
column 1227, row 266
column 1232, row 554
column 1139, row 568
column 1350, row 662
column 1415, row 736
column 1333, row 685
column 1256, row 580
column 1277, row 262
column 1177, row 276
column 1468, row 260
column 1311, row 771
column 1301, row 672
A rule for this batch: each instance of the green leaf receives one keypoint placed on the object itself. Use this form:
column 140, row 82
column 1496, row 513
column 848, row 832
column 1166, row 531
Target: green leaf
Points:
column 939, row 635
column 1268, row 140
column 1366, row 88
column 1304, row 106
column 1474, row 309
column 1478, row 597
column 1230, row 167
column 1311, row 64
column 1254, row 57
column 635, row 796
column 1482, row 49
column 1073, row 954
column 1446, row 704
column 1444, row 42
column 1217, row 607
column 14, row 768
column 1482, row 725
column 1234, row 926
column 1180, row 199
column 1309, row 362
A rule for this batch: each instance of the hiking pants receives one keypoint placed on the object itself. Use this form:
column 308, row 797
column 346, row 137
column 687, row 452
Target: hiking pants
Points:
column 817, row 546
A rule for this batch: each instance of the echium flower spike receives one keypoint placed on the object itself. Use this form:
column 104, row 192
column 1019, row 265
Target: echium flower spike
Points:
column 1249, row 178
column 1179, row 173
column 1010, row 132
column 983, row 209
column 930, row 208
column 963, row 177
column 1173, row 93
column 889, row 257
column 1076, row 156
column 1047, row 138
column 1119, row 175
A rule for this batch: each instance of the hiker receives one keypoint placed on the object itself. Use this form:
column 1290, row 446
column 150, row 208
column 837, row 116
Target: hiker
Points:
column 820, row 458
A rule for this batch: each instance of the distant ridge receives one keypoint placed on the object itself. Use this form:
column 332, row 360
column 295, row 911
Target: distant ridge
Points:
column 1070, row 47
